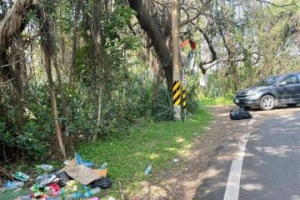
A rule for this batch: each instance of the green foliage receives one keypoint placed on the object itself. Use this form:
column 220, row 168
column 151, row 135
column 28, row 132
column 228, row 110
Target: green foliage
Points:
column 151, row 143
column 118, row 20
column 163, row 105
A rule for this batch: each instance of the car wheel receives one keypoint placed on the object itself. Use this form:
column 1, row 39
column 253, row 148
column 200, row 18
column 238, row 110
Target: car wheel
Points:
column 292, row 105
column 267, row 102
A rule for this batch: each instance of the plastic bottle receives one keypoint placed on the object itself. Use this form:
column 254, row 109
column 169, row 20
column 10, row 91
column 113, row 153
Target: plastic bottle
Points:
column 46, row 167
column 92, row 192
column 75, row 195
column 103, row 166
column 148, row 170
column 13, row 184
column 21, row 176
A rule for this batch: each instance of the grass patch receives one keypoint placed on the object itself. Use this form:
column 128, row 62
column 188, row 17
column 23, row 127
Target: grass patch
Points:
column 155, row 144
column 217, row 101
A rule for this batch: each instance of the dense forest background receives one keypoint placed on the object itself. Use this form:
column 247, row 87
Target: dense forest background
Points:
column 83, row 70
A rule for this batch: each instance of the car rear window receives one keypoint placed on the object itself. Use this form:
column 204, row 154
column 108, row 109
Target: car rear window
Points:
column 267, row 82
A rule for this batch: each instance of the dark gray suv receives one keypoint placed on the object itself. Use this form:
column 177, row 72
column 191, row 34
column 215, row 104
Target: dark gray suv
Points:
column 273, row 91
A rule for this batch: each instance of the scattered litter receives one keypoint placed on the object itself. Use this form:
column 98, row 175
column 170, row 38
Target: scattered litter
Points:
column 66, row 162
column 21, row 176
column 76, row 180
column 80, row 161
column 101, row 173
column 82, row 174
column 45, row 179
column 148, row 170
column 71, row 186
column 103, row 166
column 45, row 167
column 63, row 179
column 103, row 183
column 175, row 160
column 13, row 184
column 54, row 189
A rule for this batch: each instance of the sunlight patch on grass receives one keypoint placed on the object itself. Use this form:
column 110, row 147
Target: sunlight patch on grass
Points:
column 154, row 156
column 180, row 140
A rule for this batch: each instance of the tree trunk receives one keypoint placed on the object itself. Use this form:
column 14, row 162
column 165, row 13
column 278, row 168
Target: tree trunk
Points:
column 100, row 69
column 60, row 89
column 149, row 25
column 74, row 49
column 46, row 43
column 12, row 25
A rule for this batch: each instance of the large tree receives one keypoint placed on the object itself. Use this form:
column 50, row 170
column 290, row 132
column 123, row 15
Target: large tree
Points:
column 11, row 26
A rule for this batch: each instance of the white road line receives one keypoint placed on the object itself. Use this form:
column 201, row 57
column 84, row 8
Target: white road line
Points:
column 234, row 178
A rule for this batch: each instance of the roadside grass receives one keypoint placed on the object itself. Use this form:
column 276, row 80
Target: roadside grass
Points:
column 217, row 101
column 153, row 143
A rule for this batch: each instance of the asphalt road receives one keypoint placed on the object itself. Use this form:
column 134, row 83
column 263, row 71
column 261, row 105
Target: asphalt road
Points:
column 265, row 164
column 271, row 167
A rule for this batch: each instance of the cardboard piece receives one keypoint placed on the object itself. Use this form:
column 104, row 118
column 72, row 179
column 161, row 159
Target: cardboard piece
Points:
column 101, row 172
column 82, row 174
column 72, row 163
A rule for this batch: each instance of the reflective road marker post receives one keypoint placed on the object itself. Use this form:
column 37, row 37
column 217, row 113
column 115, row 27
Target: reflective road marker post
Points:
column 184, row 103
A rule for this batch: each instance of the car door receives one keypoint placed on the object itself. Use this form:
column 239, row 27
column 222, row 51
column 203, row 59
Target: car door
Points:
column 297, row 88
column 288, row 90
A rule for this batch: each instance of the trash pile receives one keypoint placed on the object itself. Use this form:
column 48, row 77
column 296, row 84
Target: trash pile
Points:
column 78, row 179
column 241, row 113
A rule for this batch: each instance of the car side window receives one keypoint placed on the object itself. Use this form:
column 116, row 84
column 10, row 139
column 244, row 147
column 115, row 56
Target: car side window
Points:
column 291, row 79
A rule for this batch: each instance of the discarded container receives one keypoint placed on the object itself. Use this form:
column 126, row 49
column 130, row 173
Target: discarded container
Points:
column 103, row 166
column 13, row 184
column 46, row 167
column 35, row 188
column 92, row 192
column 45, row 179
column 21, row 176
column 63, row 179
column 67, row 162
column 75, row 195
column 148, row 170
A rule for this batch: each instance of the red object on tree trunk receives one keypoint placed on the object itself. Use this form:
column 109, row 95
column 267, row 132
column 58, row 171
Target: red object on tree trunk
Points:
column 191, row 42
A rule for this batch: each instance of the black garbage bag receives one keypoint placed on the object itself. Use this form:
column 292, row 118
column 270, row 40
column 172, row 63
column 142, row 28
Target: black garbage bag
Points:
column 63, row 179
column 241, row 113
column 103, row 183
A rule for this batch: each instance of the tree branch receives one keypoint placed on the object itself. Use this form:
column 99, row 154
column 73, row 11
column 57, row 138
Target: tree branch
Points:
column 276, row 5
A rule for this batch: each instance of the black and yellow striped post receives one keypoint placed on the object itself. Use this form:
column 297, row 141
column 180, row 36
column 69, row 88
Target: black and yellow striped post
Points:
column 183, row 98
column 176, row 93
column 184, row 104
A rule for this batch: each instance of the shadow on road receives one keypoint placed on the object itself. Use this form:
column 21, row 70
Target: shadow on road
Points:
column 273, row 150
